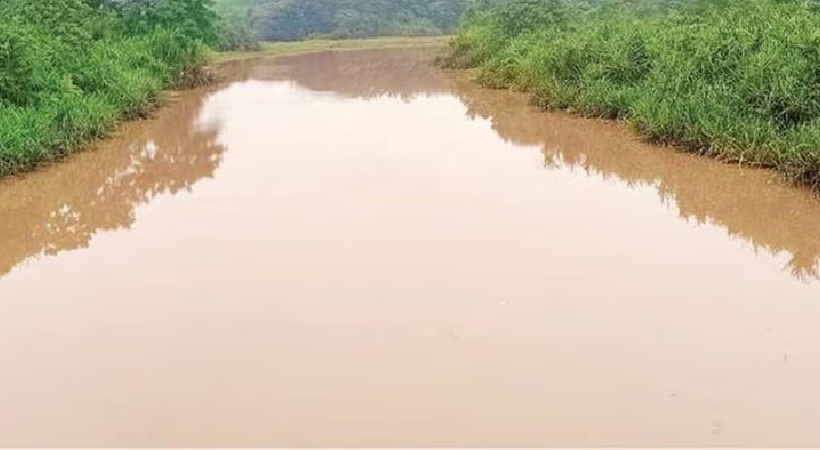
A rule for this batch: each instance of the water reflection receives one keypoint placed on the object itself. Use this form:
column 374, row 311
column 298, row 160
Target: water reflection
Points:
column 64, row 205
column 362, row 74
column 751, row 204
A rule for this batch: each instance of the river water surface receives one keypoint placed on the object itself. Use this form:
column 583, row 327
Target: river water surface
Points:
column 357, row 249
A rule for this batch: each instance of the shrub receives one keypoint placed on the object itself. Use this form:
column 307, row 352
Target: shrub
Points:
column 736, row 79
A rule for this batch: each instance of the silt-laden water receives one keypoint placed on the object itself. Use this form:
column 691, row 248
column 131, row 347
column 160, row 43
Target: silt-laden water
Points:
column 356, row 249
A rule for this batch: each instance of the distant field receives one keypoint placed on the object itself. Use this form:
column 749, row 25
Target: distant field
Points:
column 319, row 45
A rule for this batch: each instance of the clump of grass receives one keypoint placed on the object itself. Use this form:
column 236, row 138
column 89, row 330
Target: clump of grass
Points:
column 69, row 71
column 737, row 80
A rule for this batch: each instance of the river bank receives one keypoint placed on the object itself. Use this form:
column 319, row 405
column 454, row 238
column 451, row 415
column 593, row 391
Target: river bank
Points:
column 736, row 81
column 125, row 81
column 70, row 71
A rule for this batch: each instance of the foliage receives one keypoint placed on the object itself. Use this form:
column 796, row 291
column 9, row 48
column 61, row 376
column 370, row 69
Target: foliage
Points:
column 194, row 19
column 70, row 69
column 739, row 80
column 240, row 26
column 290, row 20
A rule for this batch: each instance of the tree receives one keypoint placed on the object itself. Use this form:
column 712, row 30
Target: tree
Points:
column 288, row 20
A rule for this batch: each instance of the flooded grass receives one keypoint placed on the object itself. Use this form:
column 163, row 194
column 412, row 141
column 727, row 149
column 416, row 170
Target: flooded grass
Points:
column 270, row 49
column 734, row 80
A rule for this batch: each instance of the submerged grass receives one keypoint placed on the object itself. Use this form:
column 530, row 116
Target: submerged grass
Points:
column 270, row 49
column 70, row 70
column 736, row 80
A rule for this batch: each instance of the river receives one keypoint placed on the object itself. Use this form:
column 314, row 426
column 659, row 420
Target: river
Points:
column 355, row 249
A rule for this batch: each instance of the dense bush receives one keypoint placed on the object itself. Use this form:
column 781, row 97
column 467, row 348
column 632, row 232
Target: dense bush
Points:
column 740, row 80
column 70, row 69
column 239, row 26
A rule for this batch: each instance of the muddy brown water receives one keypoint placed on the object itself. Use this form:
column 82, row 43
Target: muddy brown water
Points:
column 356, row 249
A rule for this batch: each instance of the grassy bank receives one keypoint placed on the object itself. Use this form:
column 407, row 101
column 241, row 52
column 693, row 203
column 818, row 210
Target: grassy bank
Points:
column 71, row 69
column 270, row 49
column 736, row 80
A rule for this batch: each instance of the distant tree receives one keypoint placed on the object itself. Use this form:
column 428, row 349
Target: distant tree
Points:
column 193, row 18
column 289, row 20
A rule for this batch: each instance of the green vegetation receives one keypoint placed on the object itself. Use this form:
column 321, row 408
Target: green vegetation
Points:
column 71, row 69
column 293, row 20
column 735, row 79
column 240, row 30
column 269, row 49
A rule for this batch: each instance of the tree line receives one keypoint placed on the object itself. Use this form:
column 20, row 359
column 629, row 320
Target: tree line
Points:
column 290, row 20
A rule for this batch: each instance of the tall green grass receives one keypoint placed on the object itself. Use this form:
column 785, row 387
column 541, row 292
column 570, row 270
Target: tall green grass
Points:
column 735, row 79
column 71, row 69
